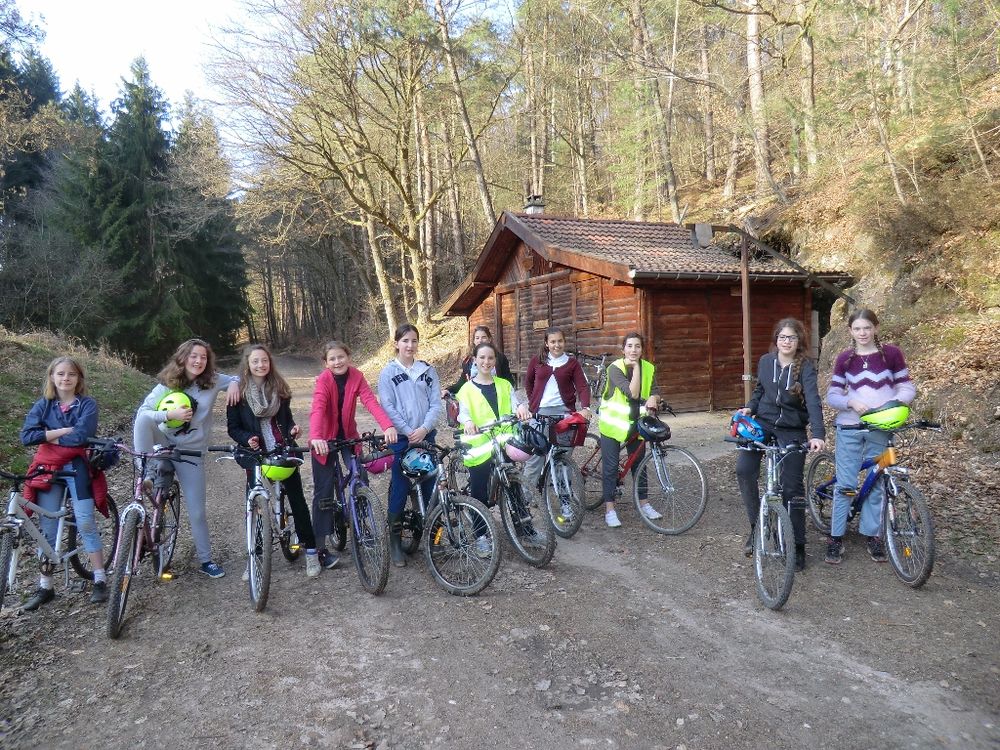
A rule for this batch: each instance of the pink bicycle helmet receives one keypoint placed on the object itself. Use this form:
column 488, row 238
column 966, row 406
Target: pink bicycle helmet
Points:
column 515, row 453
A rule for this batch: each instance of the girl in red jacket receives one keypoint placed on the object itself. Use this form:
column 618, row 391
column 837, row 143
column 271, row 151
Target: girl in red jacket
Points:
column 338, row 389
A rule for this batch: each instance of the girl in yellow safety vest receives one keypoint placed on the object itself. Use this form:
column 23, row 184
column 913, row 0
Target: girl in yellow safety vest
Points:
column 627, row 394
column 483, row 399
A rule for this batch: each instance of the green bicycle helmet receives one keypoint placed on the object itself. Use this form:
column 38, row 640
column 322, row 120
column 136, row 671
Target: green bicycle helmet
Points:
column 889, row 416
column 278, row 472
column 174, row 400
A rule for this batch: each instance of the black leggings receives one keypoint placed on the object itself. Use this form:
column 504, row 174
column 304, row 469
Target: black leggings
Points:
column 792, row 486
column 300, row 511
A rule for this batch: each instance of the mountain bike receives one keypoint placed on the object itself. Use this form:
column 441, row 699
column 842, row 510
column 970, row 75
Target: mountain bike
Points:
column 462, row 540
column 907, row 526
column 528, row 531
column 773, row 539
column 561, row 484
column 267, row 515
column 362, row 511
column 150, row 523
column 667, row 477
column 17, row 527
column 595, row 372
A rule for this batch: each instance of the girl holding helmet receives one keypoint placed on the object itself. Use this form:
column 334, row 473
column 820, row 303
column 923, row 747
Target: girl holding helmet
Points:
column 483, row 399
column 785, row 401
column 865, row 377
column 263, row 420
column 338, row 389
column 178, row 412
column 628, row 393
column 409, row 390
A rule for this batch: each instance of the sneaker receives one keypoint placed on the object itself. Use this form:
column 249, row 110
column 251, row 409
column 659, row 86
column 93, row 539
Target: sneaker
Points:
column 611, row 519
column 748, row 545
column 876, row 550
column 212, row 570
column 800, row 558
column 834, row 552
column 99, row 593
column 246, row 574
column 650, row 512
column 312, row 566
column 483, row 547
column 327, row 559
column 40, row 597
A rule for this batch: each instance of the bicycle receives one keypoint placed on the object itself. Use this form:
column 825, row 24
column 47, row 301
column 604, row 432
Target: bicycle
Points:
column 152, row 531
column 907, row 526
column 561, row 482
column 678, row 496
column 267, row 516
column 18, row 526
column 463, row 542
column 363, row 515
column 531, row 537
column 597, row 375
column 773, row 539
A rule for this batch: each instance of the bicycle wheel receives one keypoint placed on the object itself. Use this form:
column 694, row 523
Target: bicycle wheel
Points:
column 167, row 528
column 676, row 490
column 413, row 525
column 7, row 569
column 463, row 545
column 126, row 561
column 338, row 536
column 108, row 528
column 908, row 531
column 774, row 556
column 458, row 474
column 564, row 500
column 288, row 539
column 260, row 545
column 527, row 529
column 590, row 470
column 369, row 541
column 821, row 478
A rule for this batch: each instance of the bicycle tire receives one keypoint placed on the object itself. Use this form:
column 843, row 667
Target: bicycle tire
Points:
column 126, row 559
column 774, row 556
column 821, row 480
column 458, row 474
column 529, row 533
column 369, row 541
column 108, row 528
column 413, row 525
column 676, row 489
column 167, row 529
column 260, row 546
column 288, row 538
column 456, row 563
column 590, row 470
column 908, row 532
column 6, row 562
column 565, row 507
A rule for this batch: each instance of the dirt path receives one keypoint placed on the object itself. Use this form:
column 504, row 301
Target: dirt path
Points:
column 626, row 640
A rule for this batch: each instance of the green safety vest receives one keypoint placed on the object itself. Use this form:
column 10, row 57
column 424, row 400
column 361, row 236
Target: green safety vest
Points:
column 479, row 447
column 615, row 407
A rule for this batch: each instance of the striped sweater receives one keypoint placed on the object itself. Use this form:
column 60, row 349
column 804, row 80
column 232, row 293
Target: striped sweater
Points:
column 870, row 378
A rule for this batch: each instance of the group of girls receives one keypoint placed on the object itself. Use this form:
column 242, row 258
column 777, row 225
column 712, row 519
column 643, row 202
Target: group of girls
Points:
column 785, row 401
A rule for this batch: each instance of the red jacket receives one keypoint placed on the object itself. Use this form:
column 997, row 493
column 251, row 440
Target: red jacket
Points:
column 324, row 416
column 569, row 378
column 53, row 458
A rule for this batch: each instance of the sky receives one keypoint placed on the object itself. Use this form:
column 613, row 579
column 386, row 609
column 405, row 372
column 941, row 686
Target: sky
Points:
column 95, row 42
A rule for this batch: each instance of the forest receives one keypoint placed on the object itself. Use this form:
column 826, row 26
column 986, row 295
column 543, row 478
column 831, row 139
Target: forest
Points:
column 370, row 147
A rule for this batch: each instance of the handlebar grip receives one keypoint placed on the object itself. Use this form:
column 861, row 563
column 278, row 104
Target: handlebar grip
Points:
column 423, row 444
column 222, row 448
column 368, row 458
column 186, row 452
column 731, row 439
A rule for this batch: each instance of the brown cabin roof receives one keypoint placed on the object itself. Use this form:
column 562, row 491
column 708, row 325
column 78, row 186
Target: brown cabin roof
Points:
column 632, row 252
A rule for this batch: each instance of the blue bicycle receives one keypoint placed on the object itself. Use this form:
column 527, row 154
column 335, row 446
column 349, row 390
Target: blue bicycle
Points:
column 907, row 526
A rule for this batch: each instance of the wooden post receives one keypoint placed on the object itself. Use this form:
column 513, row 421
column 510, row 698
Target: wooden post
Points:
column 745, row 294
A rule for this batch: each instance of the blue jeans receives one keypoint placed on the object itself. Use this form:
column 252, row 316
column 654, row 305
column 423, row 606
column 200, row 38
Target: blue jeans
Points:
column 854, row 447
column 399, row 486
column 83, row 507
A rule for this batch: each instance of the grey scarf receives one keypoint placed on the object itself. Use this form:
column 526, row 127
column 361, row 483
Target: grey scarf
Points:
column 260, row 404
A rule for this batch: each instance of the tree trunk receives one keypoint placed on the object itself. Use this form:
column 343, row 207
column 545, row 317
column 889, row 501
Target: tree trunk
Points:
column 758, row 113
column 707, row 113
column 808, row 62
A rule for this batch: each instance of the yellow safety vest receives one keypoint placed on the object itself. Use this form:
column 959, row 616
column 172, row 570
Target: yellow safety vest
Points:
column 614, row 419
column 479, row 447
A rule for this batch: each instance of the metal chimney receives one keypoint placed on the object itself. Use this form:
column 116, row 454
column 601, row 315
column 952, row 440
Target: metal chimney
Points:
column 535, row 205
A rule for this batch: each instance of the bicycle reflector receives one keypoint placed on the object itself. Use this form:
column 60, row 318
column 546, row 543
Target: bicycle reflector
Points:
column 746, row 427
column 889, row 416
column 277, row 472
column 174, row 400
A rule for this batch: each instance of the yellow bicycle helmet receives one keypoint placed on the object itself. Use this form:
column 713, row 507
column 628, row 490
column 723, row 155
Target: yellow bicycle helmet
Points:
column 174, row 400
column 889, row 416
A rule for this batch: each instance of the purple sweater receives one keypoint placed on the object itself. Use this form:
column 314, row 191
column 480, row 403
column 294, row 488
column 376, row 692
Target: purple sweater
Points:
column 870, row 378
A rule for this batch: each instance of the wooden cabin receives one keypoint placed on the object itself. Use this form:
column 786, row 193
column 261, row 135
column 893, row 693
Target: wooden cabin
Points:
column 599, row 279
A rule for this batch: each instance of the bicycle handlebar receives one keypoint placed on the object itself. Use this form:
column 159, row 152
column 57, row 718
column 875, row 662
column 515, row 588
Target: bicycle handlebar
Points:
column 159, row 451
column 37, row 472
column 919, row 424
column 749, row 445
